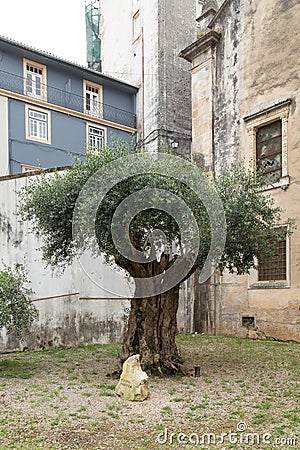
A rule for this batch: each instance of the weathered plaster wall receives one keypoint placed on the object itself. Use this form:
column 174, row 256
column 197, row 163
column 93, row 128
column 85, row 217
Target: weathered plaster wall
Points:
column 203, row 78
column 253, row 67
column 72, row 309
column 226, row 105
column 263, row 71
column 151, row 62
column 123, row 56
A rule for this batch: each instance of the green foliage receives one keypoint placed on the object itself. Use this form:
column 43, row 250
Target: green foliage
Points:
column 250, row 214
column 50, row 201
column 16, row 310
column 251, row 219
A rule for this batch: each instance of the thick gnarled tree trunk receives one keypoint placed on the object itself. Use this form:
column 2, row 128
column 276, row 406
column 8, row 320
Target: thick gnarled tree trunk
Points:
column 151, row 331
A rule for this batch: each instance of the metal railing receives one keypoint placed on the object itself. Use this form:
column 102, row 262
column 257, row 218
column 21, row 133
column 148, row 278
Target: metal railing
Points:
column 59, row 97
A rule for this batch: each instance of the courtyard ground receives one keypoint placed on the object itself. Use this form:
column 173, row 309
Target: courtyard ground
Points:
column 247, row 397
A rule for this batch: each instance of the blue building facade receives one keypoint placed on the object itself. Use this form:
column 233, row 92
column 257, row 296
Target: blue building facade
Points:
column 51, row 108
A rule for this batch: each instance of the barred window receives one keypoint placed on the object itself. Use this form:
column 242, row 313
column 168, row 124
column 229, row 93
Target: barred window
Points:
column 274, row 268
column 269, row 151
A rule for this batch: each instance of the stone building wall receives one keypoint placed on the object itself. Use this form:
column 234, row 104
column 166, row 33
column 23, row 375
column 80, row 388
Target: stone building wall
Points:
column 245, row 74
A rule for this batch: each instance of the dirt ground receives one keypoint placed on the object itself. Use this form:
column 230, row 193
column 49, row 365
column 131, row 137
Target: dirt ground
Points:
column 247, row 397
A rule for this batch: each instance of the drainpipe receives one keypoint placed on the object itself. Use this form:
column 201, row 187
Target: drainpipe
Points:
column 215, row 277
column 143, row 89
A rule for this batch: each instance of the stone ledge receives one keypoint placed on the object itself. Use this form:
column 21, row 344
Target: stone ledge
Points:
column 269, row 285
column 209, row 40
column 283, row 183
column 271, row 108
column 33, row 173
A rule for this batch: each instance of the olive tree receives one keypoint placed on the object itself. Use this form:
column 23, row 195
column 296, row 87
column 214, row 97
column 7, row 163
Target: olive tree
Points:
column 121, row 205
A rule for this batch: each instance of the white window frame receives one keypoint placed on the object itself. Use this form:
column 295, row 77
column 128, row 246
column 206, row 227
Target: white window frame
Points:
column 94, row 149
column 93, row 91
column 39, row 79
column 269, row 115
column 253, row 282
column 36, row 126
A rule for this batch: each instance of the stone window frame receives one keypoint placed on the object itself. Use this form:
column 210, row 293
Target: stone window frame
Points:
column 255, row 121
column 253, row 282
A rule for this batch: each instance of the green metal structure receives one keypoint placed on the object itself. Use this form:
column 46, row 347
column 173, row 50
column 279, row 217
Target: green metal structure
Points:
column 93, row 41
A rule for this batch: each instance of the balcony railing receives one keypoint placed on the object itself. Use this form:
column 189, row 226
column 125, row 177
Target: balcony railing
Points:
column 16, row 84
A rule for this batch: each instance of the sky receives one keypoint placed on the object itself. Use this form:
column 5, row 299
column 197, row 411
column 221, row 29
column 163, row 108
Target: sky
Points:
column 55, row 26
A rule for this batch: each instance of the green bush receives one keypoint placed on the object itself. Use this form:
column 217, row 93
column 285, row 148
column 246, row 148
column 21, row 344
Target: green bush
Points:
column 17, row 312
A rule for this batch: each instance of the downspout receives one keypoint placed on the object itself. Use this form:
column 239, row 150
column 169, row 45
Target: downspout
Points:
column 143, row 89
column 215, row 276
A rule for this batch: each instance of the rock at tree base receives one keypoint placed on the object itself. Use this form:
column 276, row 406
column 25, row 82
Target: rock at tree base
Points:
column 133, row 384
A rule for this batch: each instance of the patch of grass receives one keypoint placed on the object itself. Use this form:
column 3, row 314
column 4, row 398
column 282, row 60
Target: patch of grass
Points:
column 166, row 411
column 82, row 408
column 106, row 390
column 259, row 418
column 263, row 406
column 114, row 407
column 87, row 394
column 207, row 380
column 55, row 422
column 292, row 417
column 195, row 407
column 137, row 420
column 113, row 414
column 13, row 368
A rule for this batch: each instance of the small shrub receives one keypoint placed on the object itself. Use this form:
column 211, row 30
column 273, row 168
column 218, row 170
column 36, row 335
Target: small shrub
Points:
column 17, row 312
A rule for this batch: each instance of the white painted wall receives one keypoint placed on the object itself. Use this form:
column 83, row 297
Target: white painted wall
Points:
column 72, row 308
column 129, row 59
